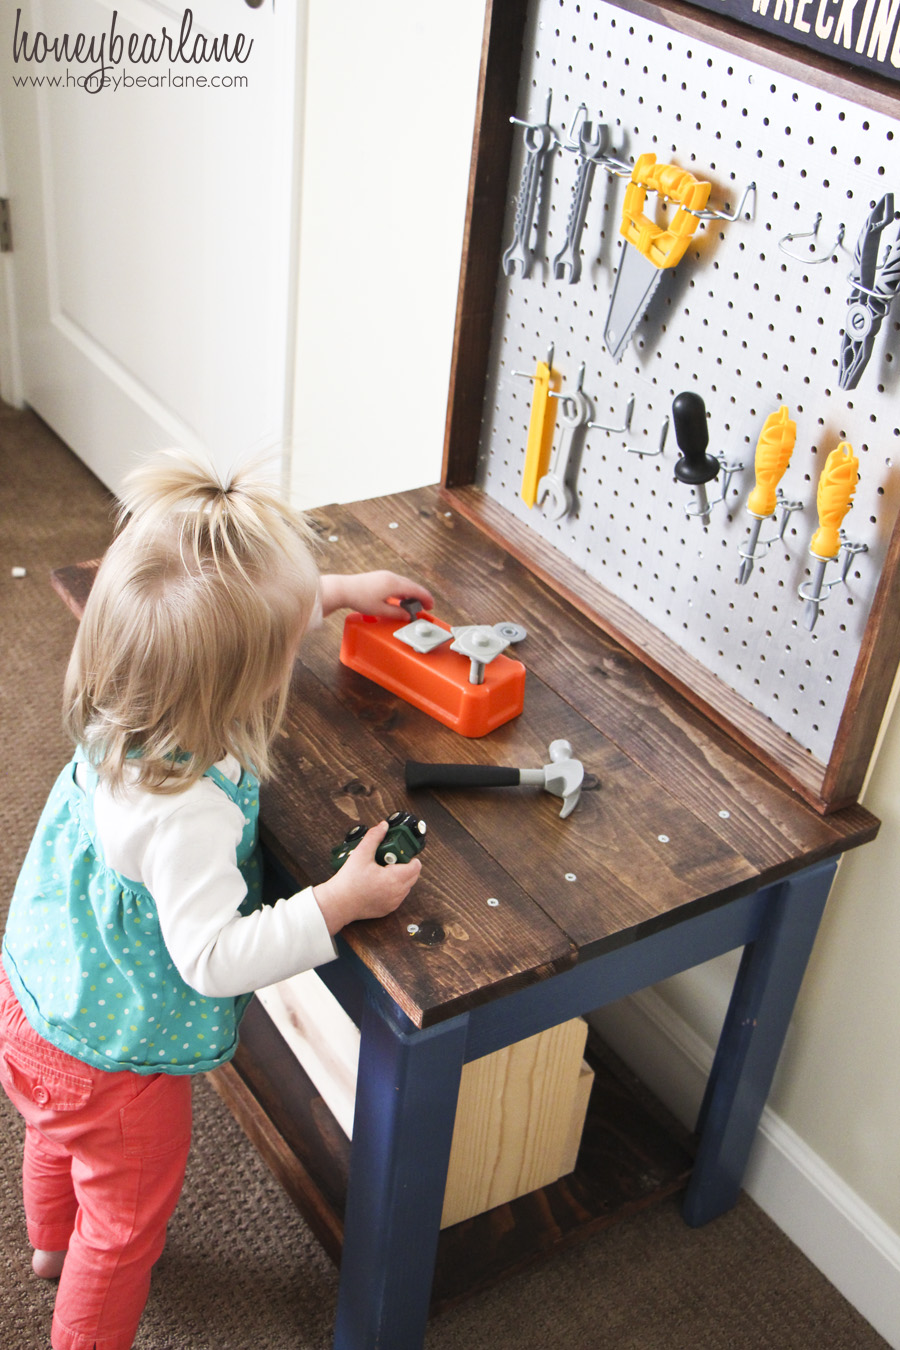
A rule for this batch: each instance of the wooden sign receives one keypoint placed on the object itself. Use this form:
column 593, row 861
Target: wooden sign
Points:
column 863, row 33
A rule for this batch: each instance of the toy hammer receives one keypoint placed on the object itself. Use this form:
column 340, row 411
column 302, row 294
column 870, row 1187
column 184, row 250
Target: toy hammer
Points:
column 562, row 776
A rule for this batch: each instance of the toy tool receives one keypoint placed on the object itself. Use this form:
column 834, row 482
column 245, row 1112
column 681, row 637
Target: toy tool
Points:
column 458, row 676
column 650, row 249
column 872, row 289
column 404, row 839
column 695, row 467
column 562, row 777
column 540, row 429
column 773, row 454
column 539, row 139
column 833, row 499
column 592, row 144
column 552, row 487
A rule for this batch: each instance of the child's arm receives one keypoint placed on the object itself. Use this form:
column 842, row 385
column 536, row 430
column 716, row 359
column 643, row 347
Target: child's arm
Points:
column 369, row 592
column 189, row 867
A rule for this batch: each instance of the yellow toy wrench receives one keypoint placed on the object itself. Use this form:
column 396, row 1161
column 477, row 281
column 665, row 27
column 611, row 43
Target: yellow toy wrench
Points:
column 540, row 428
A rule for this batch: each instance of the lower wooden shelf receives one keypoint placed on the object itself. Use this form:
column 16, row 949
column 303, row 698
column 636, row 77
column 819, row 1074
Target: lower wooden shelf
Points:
column 632, row 1155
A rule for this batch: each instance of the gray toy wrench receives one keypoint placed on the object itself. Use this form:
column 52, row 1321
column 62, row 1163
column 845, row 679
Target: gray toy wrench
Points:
column 575, row 413
column 592, row 145
column 539, row 139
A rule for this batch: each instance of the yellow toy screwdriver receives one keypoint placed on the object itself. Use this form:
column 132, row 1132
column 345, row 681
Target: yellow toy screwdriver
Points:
column 540, row 428
column 833, row 499
column 773, row 454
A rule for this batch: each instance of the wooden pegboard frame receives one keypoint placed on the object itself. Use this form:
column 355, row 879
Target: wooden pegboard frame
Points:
column 828, row 777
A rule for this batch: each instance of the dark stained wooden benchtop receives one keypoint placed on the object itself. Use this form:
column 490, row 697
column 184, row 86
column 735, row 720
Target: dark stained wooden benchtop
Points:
column 676, row 818
column 679, row 818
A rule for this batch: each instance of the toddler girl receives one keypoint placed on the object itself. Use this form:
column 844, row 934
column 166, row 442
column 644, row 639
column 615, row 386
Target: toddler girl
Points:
column 137, row 929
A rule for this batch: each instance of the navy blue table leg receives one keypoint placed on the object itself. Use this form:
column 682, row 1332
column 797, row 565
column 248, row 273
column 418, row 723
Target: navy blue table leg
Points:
column 762, row 1002
column 405, row 1108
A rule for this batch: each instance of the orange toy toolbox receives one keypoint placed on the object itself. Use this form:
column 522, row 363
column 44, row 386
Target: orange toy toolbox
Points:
column 436, row 681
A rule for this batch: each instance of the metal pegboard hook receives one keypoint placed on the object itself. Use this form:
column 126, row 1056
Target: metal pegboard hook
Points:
column 702, row 505
column 816, row 590
column 527, row 375
column 792, row 237
column 725, row 215
column 579, row 386
column 651, row 454
column 539, row 126
column 617, row 431
column 572, row 142
column 756, row 548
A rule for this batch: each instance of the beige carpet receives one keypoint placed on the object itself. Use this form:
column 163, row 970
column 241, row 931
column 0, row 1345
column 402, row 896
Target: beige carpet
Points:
column 241, row 1270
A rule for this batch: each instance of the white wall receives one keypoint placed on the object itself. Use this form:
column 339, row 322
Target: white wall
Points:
column 838, row 1084
column 390, row 104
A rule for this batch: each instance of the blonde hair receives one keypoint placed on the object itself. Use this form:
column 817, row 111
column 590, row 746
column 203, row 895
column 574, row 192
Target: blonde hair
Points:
column 187, row 642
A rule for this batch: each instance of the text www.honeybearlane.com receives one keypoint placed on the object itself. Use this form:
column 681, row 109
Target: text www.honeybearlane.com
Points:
column 105, row 53
column 94, row 83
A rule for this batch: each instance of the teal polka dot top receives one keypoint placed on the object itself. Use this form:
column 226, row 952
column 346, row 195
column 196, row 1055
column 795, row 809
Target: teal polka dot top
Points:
column 84, row 952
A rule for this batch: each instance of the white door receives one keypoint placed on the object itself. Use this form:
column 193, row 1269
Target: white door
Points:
column 153, row 222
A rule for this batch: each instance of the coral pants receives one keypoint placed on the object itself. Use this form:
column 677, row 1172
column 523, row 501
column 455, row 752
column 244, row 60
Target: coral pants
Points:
column 105, row 1155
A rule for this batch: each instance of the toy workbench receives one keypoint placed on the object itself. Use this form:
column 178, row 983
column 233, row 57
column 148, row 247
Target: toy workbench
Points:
column 713, row 369
column 669, row 458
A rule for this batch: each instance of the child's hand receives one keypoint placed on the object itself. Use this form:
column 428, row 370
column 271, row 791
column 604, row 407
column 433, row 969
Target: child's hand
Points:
column 368, row 592
column 363, row 888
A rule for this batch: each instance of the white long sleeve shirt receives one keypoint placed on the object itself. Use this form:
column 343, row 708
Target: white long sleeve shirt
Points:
column 182, row 847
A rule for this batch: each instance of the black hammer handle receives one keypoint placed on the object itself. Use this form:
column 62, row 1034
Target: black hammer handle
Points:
column 459, row 775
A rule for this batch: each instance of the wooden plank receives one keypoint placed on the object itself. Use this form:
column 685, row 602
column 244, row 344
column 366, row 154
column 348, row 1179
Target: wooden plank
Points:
column 699, row 769
column 630, row 854
column 322, row 1037
column 485, row 210
column 632, row 1155
column 865, row 87
column 685, row 753
column 871, row 686
column 330, row 773
column 520, row 1111
column 283, row 1115
column 580, row 1103
column 513, row 1121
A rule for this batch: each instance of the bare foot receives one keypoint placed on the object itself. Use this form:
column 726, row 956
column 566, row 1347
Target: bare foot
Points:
column 48, row 1265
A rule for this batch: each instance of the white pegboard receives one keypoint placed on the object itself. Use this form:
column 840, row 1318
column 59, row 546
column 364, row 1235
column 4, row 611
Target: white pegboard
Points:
column 739, row 321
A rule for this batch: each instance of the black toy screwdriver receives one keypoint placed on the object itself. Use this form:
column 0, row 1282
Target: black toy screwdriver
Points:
column 696, row 467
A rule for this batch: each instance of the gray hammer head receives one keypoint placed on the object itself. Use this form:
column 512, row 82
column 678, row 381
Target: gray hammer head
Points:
column 563, row 776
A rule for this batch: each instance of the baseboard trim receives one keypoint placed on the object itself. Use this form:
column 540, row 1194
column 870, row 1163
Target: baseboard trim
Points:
column 842, row 1236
